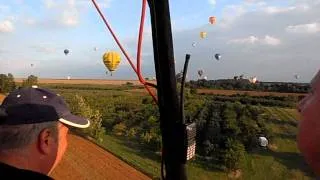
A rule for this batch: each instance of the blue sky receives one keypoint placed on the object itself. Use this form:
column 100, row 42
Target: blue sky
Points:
column 273, row 40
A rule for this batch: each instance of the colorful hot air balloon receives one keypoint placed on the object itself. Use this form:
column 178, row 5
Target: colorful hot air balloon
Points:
column 203, row 35
column 217, row 56
column 212, row 20
column 66, row 51
column 111, row 60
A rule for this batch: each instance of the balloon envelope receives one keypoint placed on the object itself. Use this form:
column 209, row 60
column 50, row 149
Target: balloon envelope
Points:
column 217, row 56
column 203, row 35
column 111, row 60
column 200, row 72
column 66, row 51
column 212, row 20
column 263, row 141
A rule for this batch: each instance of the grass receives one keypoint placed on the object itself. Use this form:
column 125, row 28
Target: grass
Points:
column 283, row 161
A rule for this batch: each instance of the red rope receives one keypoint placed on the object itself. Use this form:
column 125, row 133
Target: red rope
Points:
column 138, row 69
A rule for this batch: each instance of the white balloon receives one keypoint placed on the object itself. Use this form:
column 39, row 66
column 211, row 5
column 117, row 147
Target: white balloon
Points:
column 263, row 141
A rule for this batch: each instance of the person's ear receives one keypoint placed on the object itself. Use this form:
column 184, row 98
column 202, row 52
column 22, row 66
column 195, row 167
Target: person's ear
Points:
column 45, row 140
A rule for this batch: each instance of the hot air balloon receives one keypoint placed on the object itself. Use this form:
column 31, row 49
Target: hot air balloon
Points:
column 66, row 51
column 200, row 72
column 194, row 44
column 111, row 60
column 217, row 56
column 263, row 141
column 203, row 35
column 253, row 80
column 212, row 20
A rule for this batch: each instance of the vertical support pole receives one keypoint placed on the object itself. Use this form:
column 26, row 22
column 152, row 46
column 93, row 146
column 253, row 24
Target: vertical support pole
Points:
column 170, row 116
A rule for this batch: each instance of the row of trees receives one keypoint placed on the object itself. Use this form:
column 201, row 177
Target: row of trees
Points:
column 7, row 83
column 227, row 131
column 244, row 84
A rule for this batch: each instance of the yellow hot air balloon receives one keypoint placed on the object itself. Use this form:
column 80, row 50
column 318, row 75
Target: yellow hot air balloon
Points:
column 111, row 60
column 203, row 35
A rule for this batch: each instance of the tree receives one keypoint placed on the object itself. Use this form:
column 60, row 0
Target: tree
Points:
column 234, row 154
column 83, row 109
column 30, row 81
column 7, row 83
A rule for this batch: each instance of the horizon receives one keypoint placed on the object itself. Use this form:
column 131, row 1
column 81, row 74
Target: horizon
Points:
column 272, row 40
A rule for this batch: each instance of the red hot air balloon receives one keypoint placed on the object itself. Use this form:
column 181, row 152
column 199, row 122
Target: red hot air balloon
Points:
column 212, row 20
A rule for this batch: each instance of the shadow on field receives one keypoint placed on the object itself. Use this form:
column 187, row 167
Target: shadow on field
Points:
column 140, row 149
column 285, row 136
column 291, row 122
column 291, row 160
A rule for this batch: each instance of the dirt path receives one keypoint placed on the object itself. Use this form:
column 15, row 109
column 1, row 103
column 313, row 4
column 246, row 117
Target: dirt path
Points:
column 85, row 160
column 1, row 98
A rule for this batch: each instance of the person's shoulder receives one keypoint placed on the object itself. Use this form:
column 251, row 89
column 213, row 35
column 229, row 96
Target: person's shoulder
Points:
column 12, row 173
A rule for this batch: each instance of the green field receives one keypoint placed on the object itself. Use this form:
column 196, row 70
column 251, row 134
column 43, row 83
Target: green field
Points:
column 281, row 161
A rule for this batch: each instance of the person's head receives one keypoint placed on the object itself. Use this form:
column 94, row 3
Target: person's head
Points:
column 309, row 126
column 33, row 129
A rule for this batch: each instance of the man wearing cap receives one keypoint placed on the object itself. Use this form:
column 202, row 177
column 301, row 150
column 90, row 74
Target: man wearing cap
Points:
column 33, row 133
column 309, row 127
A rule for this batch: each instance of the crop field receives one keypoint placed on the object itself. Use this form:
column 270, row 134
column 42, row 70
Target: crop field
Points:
column 250, row 93
column 85, row 160
column 121, row 157
column 85, row 81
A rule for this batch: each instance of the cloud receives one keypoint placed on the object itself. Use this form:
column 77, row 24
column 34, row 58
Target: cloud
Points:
column 212, row 2
column 44, row 48
column 6, row 26
column 275, row 10
column 310, row 28
column 70, row 17
column 269, row 40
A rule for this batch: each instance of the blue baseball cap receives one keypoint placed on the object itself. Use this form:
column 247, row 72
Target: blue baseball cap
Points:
column 36, row 105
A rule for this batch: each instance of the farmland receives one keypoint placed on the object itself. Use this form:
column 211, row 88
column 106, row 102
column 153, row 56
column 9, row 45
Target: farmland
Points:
column 132, row 133
column 280, row 161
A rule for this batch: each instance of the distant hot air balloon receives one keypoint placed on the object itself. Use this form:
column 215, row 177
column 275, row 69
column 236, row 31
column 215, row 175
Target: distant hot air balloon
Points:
column 200, row 72
column 212, row 20
column 111, row 60
column 66, row 51
column 217, row 56
column 203, row 35
column 263, row 141
column 194, row 44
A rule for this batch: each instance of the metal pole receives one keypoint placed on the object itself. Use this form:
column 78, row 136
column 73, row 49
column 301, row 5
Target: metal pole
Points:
column 170, row 116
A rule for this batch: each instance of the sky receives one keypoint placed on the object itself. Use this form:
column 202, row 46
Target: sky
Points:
column 273, row 39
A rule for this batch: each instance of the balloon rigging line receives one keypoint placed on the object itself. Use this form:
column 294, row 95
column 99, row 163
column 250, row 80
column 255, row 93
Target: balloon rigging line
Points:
column 138, row 69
